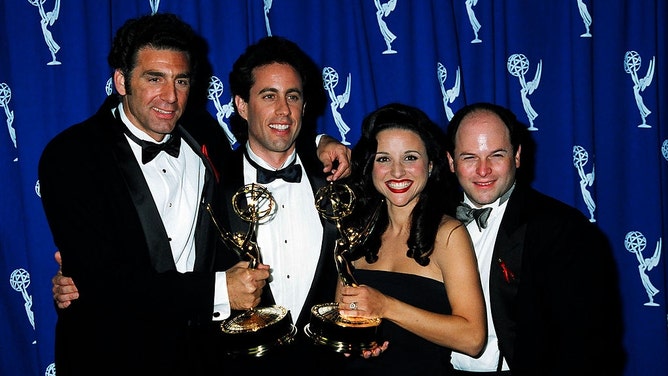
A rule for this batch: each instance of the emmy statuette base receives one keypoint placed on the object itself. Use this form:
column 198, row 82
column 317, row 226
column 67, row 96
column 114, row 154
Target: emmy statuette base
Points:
column 256, row 332
column 343, row 334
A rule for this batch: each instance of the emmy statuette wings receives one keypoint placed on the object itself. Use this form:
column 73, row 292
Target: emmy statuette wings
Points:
column 342, row 333
column 256, row 331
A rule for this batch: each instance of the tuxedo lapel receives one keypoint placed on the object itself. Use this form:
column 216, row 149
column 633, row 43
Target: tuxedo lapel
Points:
column 325, row 278
column 204, row 232
column 506, row 271
column 233, row 180
column 508, row 248
column 156, row 235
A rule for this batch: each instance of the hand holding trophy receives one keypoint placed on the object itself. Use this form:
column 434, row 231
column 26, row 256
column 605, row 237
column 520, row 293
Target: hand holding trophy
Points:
column 345, row 334
column 255, row 331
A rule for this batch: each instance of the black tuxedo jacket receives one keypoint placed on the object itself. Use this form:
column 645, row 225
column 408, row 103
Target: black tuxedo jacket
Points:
column 135, row 310
column 301, row 356
column 553, row 290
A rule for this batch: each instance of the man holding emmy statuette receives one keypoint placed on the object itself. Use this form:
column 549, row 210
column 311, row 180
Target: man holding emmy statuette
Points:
column 274, row 85
column 253, row 331
column 416, row 270
column 135, row 222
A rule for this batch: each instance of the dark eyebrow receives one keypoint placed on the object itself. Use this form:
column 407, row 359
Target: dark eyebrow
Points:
column 500, row 151
column 154, row 73
column 275, row 91
column 268, row 89
column 162, row 74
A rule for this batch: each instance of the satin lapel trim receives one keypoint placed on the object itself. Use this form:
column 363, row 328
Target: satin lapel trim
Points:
column 505, row 274
column 509, row 246
column 232, row 180
column 204, row 238
column 329, row 235
column 154, row 231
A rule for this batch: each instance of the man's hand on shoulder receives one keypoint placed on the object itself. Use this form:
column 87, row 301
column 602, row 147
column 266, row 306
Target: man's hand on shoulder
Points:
column 335, row 157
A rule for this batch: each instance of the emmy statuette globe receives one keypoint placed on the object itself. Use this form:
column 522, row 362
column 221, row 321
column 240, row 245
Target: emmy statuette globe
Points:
column 327, row 327
column 253, row 332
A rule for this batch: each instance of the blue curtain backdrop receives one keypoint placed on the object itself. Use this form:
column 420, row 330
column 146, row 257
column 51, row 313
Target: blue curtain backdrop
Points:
column 588, row 77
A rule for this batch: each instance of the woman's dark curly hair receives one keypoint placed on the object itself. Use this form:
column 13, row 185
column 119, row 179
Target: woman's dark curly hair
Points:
column 428, row 213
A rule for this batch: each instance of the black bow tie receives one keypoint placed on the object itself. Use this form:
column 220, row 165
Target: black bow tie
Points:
column 291, row 173
column 467, row 214
column 149, row 150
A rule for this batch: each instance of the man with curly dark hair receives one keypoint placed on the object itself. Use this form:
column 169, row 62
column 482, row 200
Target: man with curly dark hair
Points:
column 125, row 194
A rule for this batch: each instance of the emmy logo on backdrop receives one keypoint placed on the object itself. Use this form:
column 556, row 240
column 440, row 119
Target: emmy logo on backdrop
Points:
column 255, row 331
column 344, row 334
column 586, row 18
column 580, row 159
column 48, row 19
column 155, row 4
column 632, row 62
column 518, row 66
column 330, row 78
column 449, row 95
column 109, row 86
column 267, row 8
column 384, row 10
column 222, row 111
column 20, row 280
column 475, row 24
column 5, row 97
column 635, row 242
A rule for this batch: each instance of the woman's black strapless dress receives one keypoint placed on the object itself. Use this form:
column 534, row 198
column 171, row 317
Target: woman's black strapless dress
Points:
column 407, row 354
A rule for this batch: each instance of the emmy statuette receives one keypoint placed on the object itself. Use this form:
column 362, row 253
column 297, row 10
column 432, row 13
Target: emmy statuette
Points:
column 255, row 331
column 343, row 334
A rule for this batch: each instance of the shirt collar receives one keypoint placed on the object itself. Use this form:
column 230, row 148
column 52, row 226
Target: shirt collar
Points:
column 266, row 165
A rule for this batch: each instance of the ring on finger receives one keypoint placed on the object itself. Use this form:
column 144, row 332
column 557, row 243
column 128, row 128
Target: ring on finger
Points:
column 353, row 306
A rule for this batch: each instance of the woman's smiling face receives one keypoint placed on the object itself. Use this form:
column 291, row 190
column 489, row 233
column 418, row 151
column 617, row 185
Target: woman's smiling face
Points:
column 401, row 166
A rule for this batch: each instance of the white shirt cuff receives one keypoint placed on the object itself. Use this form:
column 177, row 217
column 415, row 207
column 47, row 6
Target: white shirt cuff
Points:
column 221, row 298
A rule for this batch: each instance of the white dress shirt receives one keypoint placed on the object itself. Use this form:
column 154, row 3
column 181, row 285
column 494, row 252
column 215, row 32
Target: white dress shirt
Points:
column 290, row 240
column 483, row 243
column 176, row 185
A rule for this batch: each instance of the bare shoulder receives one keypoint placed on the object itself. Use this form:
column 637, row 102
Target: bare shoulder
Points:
column 450, row 225
column 452, row 242
column 451, row 232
